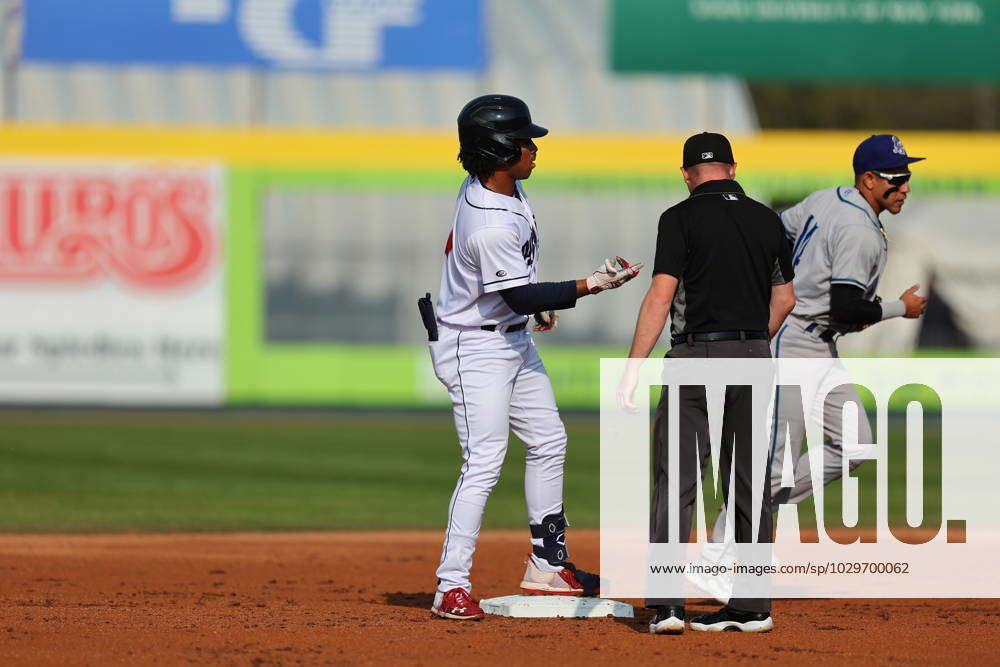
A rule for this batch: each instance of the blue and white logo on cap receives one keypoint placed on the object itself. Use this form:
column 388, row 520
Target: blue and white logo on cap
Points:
column 897, row 146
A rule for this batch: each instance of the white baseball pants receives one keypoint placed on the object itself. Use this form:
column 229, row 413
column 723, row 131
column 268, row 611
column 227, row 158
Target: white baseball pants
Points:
column 496, row 382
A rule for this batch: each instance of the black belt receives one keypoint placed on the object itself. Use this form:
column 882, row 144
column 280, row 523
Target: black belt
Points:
column 512, row 328
column 825, row 335
column 716, row 336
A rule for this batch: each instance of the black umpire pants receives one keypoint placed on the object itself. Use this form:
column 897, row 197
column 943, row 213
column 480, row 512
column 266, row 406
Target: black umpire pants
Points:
column 693, row 435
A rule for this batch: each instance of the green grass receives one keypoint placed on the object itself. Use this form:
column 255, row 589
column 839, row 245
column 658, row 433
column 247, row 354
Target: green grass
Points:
column 81, row 471
column 85, row 472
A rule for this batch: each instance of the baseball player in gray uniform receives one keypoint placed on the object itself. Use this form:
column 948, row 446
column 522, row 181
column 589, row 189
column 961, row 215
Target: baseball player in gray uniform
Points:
column 839, row 250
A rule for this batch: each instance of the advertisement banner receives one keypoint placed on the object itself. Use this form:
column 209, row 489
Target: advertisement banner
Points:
column 885, row 41
column 304, row 34
column 111, row 280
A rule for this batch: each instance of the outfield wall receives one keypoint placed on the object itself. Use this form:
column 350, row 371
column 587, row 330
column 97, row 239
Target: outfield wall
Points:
column 321, row 242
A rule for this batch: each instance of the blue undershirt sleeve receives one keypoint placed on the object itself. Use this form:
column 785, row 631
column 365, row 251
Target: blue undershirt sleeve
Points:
column 537, row 297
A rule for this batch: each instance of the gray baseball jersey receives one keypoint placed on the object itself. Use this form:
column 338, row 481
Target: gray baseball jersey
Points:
column 836, row 238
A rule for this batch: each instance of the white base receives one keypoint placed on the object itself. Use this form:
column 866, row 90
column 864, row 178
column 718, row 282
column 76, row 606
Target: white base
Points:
column 555, row 606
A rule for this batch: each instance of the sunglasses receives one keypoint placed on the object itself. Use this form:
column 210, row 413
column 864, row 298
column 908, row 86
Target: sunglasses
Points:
column 894, row 179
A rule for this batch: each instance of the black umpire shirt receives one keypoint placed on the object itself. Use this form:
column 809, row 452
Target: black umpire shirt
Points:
column 726, row 251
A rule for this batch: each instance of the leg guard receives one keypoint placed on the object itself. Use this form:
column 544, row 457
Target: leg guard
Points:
column 552, row 533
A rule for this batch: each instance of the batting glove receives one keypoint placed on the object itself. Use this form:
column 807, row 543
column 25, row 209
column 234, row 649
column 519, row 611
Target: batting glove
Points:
column 546, row 320
column 608, row 276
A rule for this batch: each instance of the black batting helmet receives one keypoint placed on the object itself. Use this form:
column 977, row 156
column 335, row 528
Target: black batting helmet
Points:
column 488, row 125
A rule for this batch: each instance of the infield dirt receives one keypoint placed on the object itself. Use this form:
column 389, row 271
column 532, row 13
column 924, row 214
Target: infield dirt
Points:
column 314, row 598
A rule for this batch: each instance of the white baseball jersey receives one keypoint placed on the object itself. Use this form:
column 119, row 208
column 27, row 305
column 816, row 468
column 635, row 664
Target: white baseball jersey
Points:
column 837, row 239
column 493, row 245
column 495, row 379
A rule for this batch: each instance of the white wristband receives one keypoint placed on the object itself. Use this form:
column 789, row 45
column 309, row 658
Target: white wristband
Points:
column 893, row 309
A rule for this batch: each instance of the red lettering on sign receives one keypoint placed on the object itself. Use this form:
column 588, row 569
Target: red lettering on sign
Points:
column 150, row 230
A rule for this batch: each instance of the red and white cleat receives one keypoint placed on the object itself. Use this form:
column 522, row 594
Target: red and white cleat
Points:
column 567, row 581
column 458, row 605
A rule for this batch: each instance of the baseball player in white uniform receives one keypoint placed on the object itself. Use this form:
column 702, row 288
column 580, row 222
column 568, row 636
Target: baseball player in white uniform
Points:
column 485, row 357
column 839, row 250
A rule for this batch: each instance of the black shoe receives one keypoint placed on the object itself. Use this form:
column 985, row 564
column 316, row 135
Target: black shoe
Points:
column 591, row 582
column 732, row 620
column 668, row 621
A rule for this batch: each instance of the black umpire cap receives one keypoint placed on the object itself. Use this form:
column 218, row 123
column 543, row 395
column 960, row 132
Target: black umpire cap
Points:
column 707, row 147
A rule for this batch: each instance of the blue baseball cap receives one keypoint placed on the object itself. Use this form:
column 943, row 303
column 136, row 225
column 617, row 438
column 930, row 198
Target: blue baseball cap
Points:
column 881, row 151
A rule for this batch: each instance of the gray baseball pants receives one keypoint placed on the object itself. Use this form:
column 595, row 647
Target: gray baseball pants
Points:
column 820, row 401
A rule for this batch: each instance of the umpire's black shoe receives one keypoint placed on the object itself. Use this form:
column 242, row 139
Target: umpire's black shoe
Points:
column 732, row 620
column 668, row 621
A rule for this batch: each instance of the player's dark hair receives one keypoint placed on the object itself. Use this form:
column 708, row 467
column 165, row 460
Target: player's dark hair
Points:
column 477, row 165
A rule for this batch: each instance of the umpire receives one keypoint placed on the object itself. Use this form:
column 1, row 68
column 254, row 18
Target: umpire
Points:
column 723, row 271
